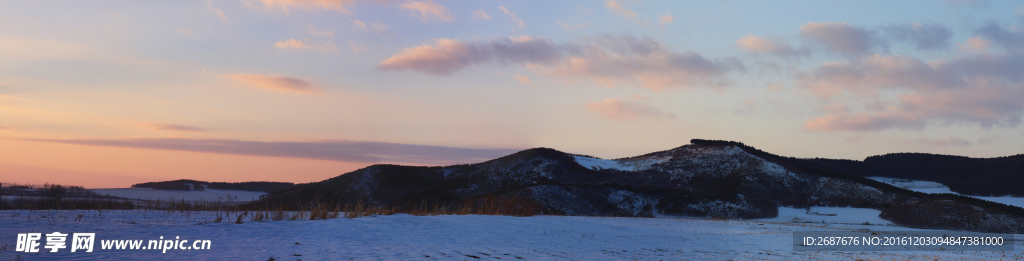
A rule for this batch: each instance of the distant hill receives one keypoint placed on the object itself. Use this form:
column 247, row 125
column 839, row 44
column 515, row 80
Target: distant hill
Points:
column 183, row 184
column 707, row 178
column 970, row 176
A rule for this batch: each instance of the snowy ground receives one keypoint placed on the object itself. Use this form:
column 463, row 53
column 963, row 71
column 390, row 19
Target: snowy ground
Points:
column 830, row 215
column 469, row 237
column 207, row 195
column 935, row 187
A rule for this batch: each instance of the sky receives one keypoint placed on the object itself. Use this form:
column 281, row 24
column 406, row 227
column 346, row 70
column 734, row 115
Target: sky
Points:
column 112, row 93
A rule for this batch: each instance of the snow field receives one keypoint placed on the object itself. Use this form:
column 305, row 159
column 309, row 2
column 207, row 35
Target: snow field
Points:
column 453, row 237
column 830, row 215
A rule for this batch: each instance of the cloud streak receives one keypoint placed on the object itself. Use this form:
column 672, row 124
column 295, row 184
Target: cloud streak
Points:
column 608, row 60
column 627, row 109
column 174, row 127
column 617, row 8
column 375, row 26
column 340, row 6
column 292, row 44
column 215, row 11
column 985, row 90
column 447, row 56
column 429, row 11
column 513, row 17
column 850, row 40
column 275, row 82
column 323, row 46
column 333, row 150
column 480, row 15
column 523, row 79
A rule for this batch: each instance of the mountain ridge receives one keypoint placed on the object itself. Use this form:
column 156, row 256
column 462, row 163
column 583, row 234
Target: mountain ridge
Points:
column 264, row 186
column 705, row 178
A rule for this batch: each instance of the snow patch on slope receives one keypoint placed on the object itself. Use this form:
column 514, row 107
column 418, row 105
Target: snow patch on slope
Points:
column 937, row 188
column 916, row 185
column 599, row 164
column 623, row 165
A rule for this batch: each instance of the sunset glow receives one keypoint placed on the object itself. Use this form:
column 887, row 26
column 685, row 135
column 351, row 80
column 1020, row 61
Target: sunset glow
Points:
column 109, row 94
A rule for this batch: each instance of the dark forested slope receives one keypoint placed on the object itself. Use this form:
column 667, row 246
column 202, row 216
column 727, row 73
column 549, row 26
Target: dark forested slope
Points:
column 973, row 176
column 180, row 184
column 970, row 176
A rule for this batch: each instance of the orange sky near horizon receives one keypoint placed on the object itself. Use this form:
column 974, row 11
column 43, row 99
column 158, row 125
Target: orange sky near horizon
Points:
column 27, row 162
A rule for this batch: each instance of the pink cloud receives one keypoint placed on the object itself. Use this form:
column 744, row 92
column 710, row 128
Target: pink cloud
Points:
column 340, row 6
column 275, row 82
column 215, row 11
column 757, row 44
column 666, row 19
column 617, row 7
column 512, row 17
column 975, row 44
column 322, row 46
column 985, row 90
column 429, row 11
column 645, row 62
column 867, row 75
column 626, row 109
column 292, row 44
column 523, row 79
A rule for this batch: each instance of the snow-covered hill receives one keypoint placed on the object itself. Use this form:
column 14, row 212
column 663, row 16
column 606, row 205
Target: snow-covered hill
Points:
column 704, row 179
